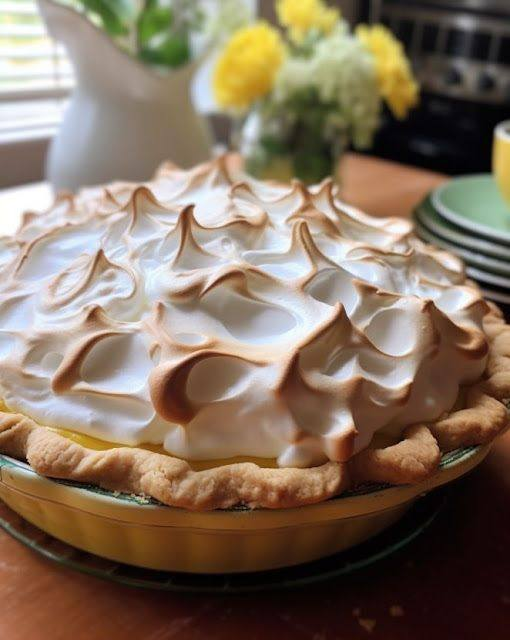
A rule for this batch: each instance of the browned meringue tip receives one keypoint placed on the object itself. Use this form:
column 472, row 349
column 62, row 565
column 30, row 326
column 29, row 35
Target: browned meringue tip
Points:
column 339, row 447
column 186, row 221
column 470, row 342
column 67, row 374
column 168, row 382
column 139, row 197
column 165, row 168
column 367, row 289
column 96, row 263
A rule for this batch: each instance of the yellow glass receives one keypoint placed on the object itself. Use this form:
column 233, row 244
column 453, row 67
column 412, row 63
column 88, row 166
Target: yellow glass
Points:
column 501, row 158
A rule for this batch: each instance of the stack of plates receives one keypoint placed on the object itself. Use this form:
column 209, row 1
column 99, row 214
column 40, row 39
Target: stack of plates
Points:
column 468, row 217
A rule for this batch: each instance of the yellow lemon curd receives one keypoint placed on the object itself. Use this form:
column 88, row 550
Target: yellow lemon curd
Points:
column 380, row 439
column 198, row 465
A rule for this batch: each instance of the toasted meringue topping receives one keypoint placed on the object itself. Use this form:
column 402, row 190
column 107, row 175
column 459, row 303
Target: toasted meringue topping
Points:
column 220, row 316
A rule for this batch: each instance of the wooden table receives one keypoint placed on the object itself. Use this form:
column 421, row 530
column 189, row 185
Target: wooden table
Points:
column 453, row 582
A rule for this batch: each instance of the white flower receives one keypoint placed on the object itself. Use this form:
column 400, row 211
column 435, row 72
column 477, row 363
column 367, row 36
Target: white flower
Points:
column 223, row 17
column 294, row 76
column 342, row 73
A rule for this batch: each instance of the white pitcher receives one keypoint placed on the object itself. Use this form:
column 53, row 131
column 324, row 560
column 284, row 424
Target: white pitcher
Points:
column 124, row 118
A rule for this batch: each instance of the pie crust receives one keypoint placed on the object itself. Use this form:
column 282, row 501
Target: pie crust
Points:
column 173, row 482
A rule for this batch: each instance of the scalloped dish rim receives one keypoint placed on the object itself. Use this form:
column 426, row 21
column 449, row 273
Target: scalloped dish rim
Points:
column 451, row 467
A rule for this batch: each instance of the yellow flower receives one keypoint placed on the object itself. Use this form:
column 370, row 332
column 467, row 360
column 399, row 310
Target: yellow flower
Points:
column 394, row 76
column 300, row 16
column 248, row 65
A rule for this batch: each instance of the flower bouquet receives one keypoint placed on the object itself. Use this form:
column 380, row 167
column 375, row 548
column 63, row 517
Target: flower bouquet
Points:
column 301, row 95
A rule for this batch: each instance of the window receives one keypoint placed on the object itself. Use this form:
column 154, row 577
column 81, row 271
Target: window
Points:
column 31, row 65
column 35, row 75
column 35, row 78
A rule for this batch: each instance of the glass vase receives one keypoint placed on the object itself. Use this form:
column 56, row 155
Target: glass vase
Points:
column 282, row 147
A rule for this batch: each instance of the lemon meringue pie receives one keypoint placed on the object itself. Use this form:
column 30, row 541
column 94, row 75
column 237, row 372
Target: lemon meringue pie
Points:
column 210, row 340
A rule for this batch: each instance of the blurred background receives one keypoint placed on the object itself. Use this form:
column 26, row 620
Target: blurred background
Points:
column 460, row 53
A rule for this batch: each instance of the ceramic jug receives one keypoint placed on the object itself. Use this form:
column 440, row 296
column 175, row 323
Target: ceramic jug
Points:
column 124, row 117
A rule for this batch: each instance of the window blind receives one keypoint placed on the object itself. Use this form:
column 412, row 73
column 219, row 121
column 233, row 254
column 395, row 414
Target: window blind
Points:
column 35, row 75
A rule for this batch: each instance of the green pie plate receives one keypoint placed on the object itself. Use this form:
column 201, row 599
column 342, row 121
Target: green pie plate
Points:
column 429, row 218
column 474, row 203
column 414, row 523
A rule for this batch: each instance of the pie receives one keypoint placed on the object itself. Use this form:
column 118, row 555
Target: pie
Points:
column 210, row 340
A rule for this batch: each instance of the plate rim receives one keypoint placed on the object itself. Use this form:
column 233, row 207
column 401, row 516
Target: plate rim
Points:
column 487, row 277
column 452, row 216
column 467, row 255
column 362, row 501
column 483, row 245
column 496, row 296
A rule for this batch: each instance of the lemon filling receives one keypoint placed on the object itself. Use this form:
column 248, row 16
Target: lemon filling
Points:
column 380, row 439
column 198, row 465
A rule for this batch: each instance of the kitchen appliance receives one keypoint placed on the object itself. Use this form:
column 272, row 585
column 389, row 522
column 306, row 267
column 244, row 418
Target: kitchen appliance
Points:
column 460, row 51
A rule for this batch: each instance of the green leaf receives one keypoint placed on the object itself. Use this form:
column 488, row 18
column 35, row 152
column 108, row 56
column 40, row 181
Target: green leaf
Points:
column 113, row 14
column 170, row 51
column 153, row 20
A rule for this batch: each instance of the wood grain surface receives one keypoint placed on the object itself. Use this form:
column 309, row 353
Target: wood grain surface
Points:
column 453, row 582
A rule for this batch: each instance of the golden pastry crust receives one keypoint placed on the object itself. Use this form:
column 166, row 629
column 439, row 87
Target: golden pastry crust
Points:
column 413, row 459
column 173, row 482
column 167, row 479
column 482, row 419
column 497, row 383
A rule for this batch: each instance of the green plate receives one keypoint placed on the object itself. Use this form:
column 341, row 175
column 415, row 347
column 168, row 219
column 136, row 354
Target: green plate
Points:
column 483, row 277
column 495, row 295
column 474, row 203
column 429, row 218
column 492, row 266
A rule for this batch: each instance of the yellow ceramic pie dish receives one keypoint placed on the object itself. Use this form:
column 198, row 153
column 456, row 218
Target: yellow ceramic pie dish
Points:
column 139, row 532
